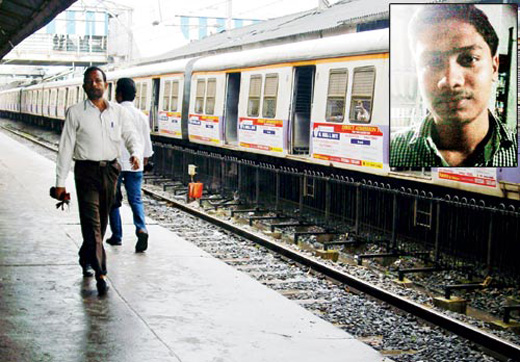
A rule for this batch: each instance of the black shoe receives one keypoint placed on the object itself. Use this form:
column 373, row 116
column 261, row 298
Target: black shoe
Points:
column 114, row 241
column 87, row 271
column 101, row 286
column 142, row 242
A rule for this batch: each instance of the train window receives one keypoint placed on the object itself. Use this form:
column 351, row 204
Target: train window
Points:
column 336, row 94
column 53, row 99
column 210, row 96
column 73, row 96
column 362, row 94
column 137, row 101
column 61, row 97
column 199, row 98
column 166, row 95
column 270, row 93
column 144, row 90
column 45, row 97
column 255, row 89
column 174, row 102
column 70, row 98
column 40, row 98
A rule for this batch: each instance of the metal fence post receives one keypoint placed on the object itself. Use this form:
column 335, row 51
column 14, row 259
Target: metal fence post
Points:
column 358, row 208
column 277, row 199
column 437, row 232
column 327, row 198
column 257, row 182
column 394, row 222
column 300, row 201
column 490, row 241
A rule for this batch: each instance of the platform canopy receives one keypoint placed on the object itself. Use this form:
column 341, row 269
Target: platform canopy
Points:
column 21, row 18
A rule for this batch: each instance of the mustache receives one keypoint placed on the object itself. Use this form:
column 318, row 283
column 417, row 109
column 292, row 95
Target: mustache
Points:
column 447, row 97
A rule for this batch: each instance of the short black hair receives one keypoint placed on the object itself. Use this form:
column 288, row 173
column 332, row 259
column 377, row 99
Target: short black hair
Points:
column 431, row 14
column 94, row 69
column 126, row 87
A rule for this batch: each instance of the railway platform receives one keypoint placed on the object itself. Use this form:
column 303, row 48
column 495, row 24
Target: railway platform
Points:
column 172, row 303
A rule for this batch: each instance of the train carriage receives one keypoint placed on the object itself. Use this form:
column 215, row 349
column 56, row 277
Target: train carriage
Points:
column 281, row 108
column 169, row 118
column 206, row 112
column 159, row 94
column 322, row 101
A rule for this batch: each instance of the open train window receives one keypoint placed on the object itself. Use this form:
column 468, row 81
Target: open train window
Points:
column 210, row 96
column 199, row 97
column 336, row 95
column 362, row 95
column 270, row 93
column 166, row 95
column 255, row 89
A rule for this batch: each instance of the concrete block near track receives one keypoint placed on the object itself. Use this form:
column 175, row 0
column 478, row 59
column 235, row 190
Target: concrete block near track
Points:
column 274, row 235
column 241, row 220
column 328, row 254
column 501, row 325
column 455, row 304
column 222, row 213
column 324, row 238
column 406, row 283
column 288, row 238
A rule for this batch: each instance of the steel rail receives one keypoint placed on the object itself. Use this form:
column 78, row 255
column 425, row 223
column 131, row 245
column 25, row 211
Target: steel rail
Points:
column 488, row 341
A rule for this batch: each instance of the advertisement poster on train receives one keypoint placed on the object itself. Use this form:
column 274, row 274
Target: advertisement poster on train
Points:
column 261, row 134
column 475, row 176
column 170, row 124
column 204, row 129
column 349, row 144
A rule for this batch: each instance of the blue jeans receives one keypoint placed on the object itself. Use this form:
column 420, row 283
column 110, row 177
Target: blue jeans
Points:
column 132, row 182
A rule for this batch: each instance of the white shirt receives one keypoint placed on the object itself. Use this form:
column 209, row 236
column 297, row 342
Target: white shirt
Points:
column 143, row 132
column 89, row 134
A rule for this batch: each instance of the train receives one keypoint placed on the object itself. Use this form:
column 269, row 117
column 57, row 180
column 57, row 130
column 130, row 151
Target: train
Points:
column 298, row 102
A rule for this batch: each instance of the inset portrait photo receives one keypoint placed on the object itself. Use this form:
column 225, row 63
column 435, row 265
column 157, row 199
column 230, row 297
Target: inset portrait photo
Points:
column 453, row 85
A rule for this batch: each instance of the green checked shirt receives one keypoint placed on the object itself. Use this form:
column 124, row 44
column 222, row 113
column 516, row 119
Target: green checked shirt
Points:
column 414, row 147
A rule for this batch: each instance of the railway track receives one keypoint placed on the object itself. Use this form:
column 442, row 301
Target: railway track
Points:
column 497, row 347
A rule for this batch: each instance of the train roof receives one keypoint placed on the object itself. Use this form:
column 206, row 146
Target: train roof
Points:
column 368, row 42
column 342, row 17
column 175, row 66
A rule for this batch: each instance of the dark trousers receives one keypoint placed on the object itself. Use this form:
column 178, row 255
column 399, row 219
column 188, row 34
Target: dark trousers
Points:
column 95, row 187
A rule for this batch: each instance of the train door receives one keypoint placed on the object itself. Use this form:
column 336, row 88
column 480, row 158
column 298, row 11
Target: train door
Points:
column 154, row 111
column 109, row 91
column 231, row 110
column 301, row 109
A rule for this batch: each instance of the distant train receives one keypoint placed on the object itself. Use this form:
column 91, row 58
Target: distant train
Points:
column 322, row 101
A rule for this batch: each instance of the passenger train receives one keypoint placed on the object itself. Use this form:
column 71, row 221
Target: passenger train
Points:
column 317, row 102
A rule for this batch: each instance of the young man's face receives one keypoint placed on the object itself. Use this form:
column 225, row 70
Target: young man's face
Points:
column 455, row 69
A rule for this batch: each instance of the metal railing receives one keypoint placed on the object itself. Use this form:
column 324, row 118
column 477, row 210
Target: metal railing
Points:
column 56, row 44
column 450, row 232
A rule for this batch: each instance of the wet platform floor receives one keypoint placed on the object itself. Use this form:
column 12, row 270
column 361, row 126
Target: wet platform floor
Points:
column 173, row 303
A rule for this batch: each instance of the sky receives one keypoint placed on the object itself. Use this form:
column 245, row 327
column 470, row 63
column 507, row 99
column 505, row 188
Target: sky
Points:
column 150, row 38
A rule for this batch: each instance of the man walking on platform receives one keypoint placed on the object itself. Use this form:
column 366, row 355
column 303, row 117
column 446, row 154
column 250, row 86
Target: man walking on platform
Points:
column 92, row 136
column 132, row 178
